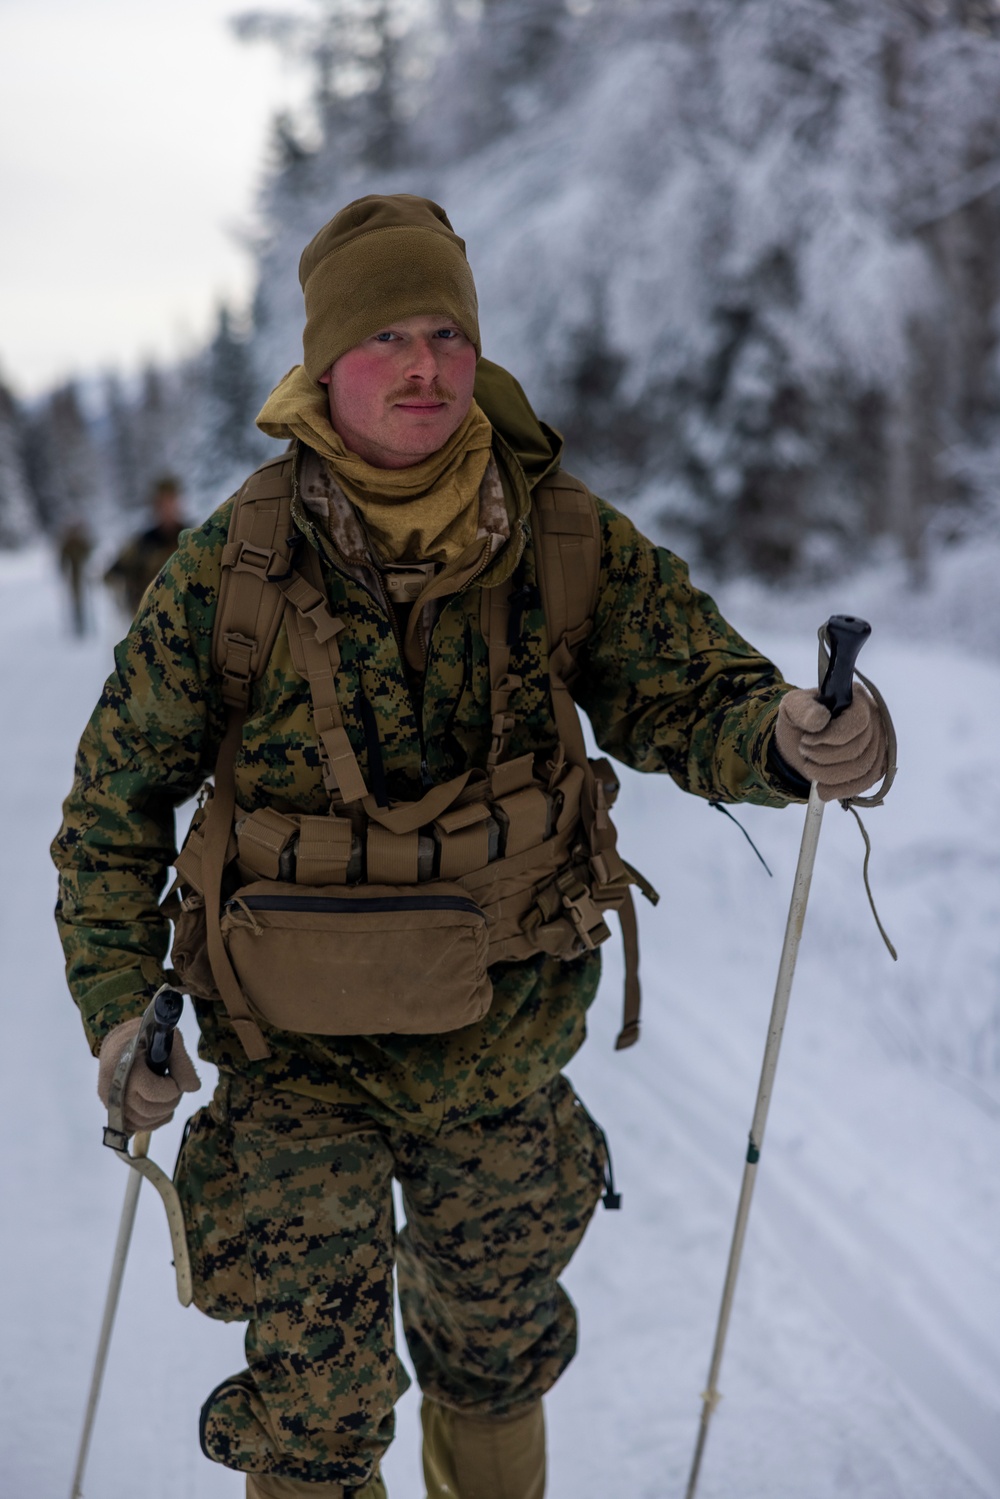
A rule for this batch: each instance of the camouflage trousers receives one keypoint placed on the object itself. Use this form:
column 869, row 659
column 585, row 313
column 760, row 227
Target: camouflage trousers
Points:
column 288, row 1203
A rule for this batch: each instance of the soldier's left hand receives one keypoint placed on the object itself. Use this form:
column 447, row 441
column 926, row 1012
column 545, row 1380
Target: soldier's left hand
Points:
column 150, row 1100
column 843, row 755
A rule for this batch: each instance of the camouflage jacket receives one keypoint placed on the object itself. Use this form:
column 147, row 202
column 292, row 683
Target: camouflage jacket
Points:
column 667, row 684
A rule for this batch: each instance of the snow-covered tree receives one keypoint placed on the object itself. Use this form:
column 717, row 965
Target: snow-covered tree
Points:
column 17, row 507
column 744, row 255
column 64, row 462
column 229, row 444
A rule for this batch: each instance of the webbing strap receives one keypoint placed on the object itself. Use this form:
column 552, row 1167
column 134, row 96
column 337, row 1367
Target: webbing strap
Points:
column 312, row 634
column 392, row 857
column 322, row 662
column 409, row 816
column 568, row 576
column 629, row 1033
column 257, row 582
column 324, row 851
column 217, row 826
column 249, row 610
column 494, row 619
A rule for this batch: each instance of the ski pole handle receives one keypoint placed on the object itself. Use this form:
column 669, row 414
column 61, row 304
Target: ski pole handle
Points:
column 167, row 1007
column 845, row 635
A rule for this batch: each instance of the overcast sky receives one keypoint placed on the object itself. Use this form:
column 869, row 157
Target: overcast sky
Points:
column 131, row 139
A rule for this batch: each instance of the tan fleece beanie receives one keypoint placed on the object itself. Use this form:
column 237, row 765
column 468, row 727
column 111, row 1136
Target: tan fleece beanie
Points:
column 378, row 260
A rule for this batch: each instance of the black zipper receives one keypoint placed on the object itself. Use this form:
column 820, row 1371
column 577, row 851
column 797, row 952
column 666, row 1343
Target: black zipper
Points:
column 366, row 903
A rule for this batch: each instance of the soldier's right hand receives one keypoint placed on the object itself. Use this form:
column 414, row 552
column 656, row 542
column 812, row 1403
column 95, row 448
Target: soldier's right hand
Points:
column 149, row 1100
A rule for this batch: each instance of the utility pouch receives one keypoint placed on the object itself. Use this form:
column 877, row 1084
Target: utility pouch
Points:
column 337, row 960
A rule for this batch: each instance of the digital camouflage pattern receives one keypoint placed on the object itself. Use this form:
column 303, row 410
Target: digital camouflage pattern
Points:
column 289, row 1207
column 669, row 687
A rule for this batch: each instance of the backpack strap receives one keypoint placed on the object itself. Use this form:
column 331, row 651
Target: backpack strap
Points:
column 494, row 621
column 259, row 547
column 568, row 560
column 312, row 635
column 564, row 519
column 247, row 619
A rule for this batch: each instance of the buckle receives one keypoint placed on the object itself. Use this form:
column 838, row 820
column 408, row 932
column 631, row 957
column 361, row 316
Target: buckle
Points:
column 237, row 647
column 324, row 626
column 253, row 559
column 582, row 910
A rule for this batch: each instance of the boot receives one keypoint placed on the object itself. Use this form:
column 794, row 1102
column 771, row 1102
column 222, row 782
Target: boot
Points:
column 483, row 1457
column 267, row 1486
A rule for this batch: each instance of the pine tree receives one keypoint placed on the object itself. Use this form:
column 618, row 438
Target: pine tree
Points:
column 17, row 506
column 65, row 467
column 124, row 464
column 229, row 443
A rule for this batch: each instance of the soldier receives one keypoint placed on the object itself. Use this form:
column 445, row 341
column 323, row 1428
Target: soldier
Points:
column 387, row 913
column 142, row 556
column 75, row 547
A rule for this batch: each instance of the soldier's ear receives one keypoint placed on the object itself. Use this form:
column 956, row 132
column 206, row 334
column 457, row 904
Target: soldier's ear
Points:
column 324, row 378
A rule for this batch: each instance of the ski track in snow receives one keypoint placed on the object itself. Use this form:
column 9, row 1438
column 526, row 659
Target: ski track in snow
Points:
column 864, row 1352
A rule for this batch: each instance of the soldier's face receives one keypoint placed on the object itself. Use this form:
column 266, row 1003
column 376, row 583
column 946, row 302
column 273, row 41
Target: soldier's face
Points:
column 168, row 507
column 399, row 396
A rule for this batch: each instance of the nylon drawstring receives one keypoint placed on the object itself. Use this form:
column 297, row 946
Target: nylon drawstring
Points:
column 848, row 807
column 736, row 822
column 611, row 1199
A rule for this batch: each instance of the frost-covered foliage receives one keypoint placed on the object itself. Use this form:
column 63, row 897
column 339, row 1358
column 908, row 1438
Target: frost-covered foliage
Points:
column 63, row 457
column 17, row 517
column 229, row 445
column 743, row 255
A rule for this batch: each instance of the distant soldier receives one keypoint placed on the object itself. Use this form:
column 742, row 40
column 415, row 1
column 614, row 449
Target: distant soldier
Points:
column 75, row 547
column 139, row 561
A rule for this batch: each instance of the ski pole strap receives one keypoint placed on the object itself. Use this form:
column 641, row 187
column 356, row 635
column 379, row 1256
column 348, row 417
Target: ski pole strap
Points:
column 848, row 807
column 852, row 803
column 153, row 1037
column 888, row 726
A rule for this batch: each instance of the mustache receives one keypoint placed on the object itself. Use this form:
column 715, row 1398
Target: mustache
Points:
column 435, row 392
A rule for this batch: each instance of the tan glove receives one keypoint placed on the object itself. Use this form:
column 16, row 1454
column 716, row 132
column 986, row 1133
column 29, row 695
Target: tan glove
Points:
column 844, row 755
column 149, row 1100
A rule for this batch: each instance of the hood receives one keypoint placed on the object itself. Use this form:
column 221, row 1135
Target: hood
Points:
column 536, row 446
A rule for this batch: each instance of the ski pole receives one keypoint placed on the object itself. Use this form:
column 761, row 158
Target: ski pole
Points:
column 156, row 1035
column 845, row 636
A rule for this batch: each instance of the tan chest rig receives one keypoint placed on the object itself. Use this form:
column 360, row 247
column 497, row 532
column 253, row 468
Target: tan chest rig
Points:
column 386, row 919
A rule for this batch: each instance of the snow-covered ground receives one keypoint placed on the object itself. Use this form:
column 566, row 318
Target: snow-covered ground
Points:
column 864, row 1352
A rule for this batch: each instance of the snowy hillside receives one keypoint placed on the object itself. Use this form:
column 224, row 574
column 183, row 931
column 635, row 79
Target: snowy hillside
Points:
column 864, row 1354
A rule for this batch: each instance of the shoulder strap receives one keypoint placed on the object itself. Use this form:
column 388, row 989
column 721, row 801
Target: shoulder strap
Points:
column 247, row 618
column 257, row 551
column 568, row 553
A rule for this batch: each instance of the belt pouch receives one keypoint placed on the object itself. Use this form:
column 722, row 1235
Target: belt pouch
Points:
column 363, row 960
